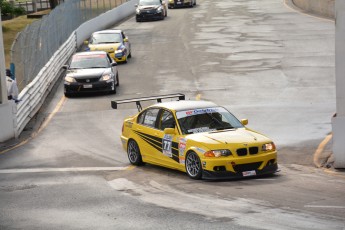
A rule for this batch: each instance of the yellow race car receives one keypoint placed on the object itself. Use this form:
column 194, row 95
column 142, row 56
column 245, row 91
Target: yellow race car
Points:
column 114, row 42
column 197, row 137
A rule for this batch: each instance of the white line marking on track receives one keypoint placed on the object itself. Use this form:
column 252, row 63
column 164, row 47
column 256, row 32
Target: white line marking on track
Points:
column 324, row 206
column 40, row 170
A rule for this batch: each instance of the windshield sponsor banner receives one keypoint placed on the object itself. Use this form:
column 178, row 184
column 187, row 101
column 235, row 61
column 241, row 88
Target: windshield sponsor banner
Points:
column 193, row 112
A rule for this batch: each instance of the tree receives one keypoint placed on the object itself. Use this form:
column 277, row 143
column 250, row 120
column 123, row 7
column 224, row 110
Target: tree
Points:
column 7, row 9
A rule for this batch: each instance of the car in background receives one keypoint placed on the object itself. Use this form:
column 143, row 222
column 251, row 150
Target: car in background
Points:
column 181, row 3
column 200, row 138
column 93, row 71
column 114, row 42
column 151, row 10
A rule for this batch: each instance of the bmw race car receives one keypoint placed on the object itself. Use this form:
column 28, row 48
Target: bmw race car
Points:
column 181, row 3
column 197, row 137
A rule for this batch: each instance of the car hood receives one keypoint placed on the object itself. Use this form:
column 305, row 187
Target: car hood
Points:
column 149, row 7
column 109, row 47
column 87, row 73
column 233, row 136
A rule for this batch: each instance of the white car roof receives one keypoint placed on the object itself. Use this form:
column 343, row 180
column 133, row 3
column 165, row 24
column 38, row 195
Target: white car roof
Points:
column 107, row 31
column 185, row 105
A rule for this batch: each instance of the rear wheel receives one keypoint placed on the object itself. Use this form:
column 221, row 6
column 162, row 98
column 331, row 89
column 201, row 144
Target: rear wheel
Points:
column 134, row 155
column 193, row 166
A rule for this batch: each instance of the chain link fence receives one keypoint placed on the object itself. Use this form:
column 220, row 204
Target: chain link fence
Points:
column 36, row 44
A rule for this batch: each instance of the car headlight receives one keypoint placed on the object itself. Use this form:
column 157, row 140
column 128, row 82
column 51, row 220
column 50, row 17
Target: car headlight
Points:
column 70, row 79
column 218, row 153
column 137, row 11
column 159, row 9
column 268, row 147
column 106, row 77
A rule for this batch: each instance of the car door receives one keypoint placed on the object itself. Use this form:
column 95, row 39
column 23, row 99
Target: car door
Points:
column 170, row 142
column 145, row 134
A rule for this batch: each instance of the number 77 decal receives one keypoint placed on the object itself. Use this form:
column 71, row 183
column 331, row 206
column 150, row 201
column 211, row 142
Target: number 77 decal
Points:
column 166, row 145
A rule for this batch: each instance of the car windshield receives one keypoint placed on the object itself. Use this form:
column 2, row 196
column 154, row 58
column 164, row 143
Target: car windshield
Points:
column 149, row 2
column 89, row 61
column 206, row 120
column 103, row 38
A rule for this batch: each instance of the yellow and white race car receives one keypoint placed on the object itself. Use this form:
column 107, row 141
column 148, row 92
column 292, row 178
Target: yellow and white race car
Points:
column 114, row 42
column 197, row 137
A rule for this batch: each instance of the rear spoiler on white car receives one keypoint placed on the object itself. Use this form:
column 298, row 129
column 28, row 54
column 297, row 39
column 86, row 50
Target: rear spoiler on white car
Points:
column 137, row 101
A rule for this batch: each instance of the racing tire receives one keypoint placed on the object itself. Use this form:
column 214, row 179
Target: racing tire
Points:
column 193, row 166
column 117, row 80
column 133, row 152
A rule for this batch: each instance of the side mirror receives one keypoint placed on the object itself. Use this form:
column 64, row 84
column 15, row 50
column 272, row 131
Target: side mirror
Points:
column 86, row 42
column 114, row 64
column 169, row 131
column 65, row 66
column 125, row 39
column 244, row 121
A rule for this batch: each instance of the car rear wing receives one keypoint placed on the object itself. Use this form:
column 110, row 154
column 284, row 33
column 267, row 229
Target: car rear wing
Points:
column 114, row 104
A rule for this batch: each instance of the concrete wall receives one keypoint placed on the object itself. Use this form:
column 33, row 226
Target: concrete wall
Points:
column 323, row 8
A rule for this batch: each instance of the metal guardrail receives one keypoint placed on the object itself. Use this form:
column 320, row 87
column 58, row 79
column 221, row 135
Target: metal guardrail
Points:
column 34, row 94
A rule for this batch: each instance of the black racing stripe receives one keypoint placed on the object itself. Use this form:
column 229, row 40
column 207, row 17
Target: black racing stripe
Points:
column 156, row 143
column 149, row 136
column 153, row 143
column 175, row 145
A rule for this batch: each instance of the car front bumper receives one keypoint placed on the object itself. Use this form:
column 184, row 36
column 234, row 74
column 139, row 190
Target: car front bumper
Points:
column 149, row 16
column 76, row 87
column 181, row 3
column 118, row 58
column 239, row 167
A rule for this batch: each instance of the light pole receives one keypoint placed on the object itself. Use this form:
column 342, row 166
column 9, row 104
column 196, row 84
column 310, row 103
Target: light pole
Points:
column 338, row 121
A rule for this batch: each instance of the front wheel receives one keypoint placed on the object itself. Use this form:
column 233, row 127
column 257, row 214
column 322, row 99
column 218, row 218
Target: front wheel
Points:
column 193, row 166
column 117, row 80
column 134, row 155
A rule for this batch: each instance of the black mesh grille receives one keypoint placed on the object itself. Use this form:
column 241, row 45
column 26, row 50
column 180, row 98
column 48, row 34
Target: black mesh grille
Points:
column 253, row 150
column 241, row 152
column 247, row 167
column 89, row 80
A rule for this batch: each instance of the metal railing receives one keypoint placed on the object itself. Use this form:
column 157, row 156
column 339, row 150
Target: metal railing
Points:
column 36, row 44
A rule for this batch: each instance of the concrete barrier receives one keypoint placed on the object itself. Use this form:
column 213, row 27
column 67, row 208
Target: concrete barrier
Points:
column 324, row 8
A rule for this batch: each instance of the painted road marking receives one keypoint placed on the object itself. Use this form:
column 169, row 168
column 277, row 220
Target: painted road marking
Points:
column 324, row 206
column 84, row 169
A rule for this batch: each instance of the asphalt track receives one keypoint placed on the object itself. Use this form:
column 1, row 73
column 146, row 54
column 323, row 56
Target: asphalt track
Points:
column 260, row 59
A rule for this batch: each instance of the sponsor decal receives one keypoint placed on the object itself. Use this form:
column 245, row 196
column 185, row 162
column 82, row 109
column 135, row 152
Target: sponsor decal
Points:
column 167, row 145
column 181, row 148
column 182, row 114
